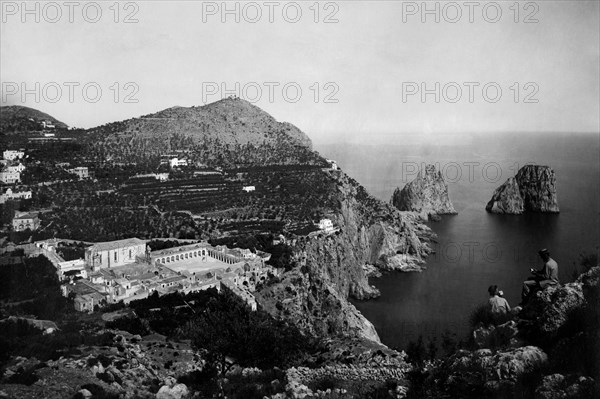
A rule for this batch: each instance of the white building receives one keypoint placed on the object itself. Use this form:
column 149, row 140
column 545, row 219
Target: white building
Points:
column 326, row 225
column 115, row 253
column 11, row 155
column 16, row 168
column 80, row 171
column 48, row 125
column 70, row 265
column 248, row 188
column 10, row 177
column 24, row 221
column 157, row 176
column 332, row 164
column 176, row 162
column 11, row 195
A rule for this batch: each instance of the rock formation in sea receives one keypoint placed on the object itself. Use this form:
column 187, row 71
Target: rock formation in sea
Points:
column 427, row 194
column 533, row 189
column 506, row 199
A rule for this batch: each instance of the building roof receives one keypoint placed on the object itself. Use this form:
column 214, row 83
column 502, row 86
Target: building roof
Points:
column 26, row 216
column 182, row 248
column 173, row 279
column 128, row 242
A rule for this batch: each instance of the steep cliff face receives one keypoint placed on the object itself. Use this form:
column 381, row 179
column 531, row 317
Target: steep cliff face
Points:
column 428, row 193
column 537, row 185
column 330, row 268
column 506, row 199
column 533, row 189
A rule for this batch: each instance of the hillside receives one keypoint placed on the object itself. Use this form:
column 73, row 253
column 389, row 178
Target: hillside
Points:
column 238, row 145
column 231, row 120
column 16, row 118
column 230, row 132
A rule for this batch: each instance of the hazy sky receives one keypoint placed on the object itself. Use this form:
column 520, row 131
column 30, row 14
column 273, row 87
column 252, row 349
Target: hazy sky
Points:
column 373, row 58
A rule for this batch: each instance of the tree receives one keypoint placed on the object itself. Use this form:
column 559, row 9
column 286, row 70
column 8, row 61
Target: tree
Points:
column 230, row 333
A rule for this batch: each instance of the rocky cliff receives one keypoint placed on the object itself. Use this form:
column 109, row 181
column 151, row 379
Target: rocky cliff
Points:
column 549, row 349
column 506, row 199
column 428, row 194
column 329, row 268
column 533, row 189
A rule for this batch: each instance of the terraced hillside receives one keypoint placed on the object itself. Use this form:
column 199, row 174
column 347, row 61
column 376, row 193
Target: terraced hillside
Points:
column 227, row 133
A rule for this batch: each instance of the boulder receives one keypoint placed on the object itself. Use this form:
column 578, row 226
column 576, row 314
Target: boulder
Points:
column 504, row 335
column 84, row 393
column 484, row 373
column 515, row 363
column 558, row 386
column 177, row 391
column 551, row 309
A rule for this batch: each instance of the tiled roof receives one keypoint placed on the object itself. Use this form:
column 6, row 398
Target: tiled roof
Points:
column 26, row 216
column 128, row 242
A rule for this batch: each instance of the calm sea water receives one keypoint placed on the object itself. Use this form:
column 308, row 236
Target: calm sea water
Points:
column 476, row 249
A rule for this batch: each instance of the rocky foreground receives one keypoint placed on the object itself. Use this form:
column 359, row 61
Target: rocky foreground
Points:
column 427, row 194
column 549, row 350
column 533, row 189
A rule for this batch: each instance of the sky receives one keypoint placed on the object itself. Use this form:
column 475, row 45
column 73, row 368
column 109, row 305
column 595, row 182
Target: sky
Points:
column 342, row 71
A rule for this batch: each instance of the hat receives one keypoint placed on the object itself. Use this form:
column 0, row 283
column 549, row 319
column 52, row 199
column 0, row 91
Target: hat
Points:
column 544, row 252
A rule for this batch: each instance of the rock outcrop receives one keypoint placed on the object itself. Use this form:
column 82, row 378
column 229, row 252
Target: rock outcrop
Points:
column 330, row 268
column 558, row 386
column 549, row 349
column 127, row 368
column 507, row 199
column 533, row 189
column 427, row 194
column 550, row 309
column 483, row 373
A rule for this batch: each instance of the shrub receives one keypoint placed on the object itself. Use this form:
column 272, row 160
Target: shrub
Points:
column 482, row 315
column 134, row 325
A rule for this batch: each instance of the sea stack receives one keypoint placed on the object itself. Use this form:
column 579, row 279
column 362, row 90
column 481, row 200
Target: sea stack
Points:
column 533, row 189
column 428, row 194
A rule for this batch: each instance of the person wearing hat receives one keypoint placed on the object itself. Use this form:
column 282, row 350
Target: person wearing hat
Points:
column 542, row 278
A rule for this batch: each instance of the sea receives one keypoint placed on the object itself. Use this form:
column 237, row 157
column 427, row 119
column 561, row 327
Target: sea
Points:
column 476, row 249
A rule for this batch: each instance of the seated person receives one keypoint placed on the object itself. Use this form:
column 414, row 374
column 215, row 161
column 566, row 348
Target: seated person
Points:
column 498, row 305
column 542, row 278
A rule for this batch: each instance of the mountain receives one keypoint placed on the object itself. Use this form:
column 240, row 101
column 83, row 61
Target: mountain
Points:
column 15, row 118
column 230, row 132
column 428, row 193
column 231, row 120
column 533, row 189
